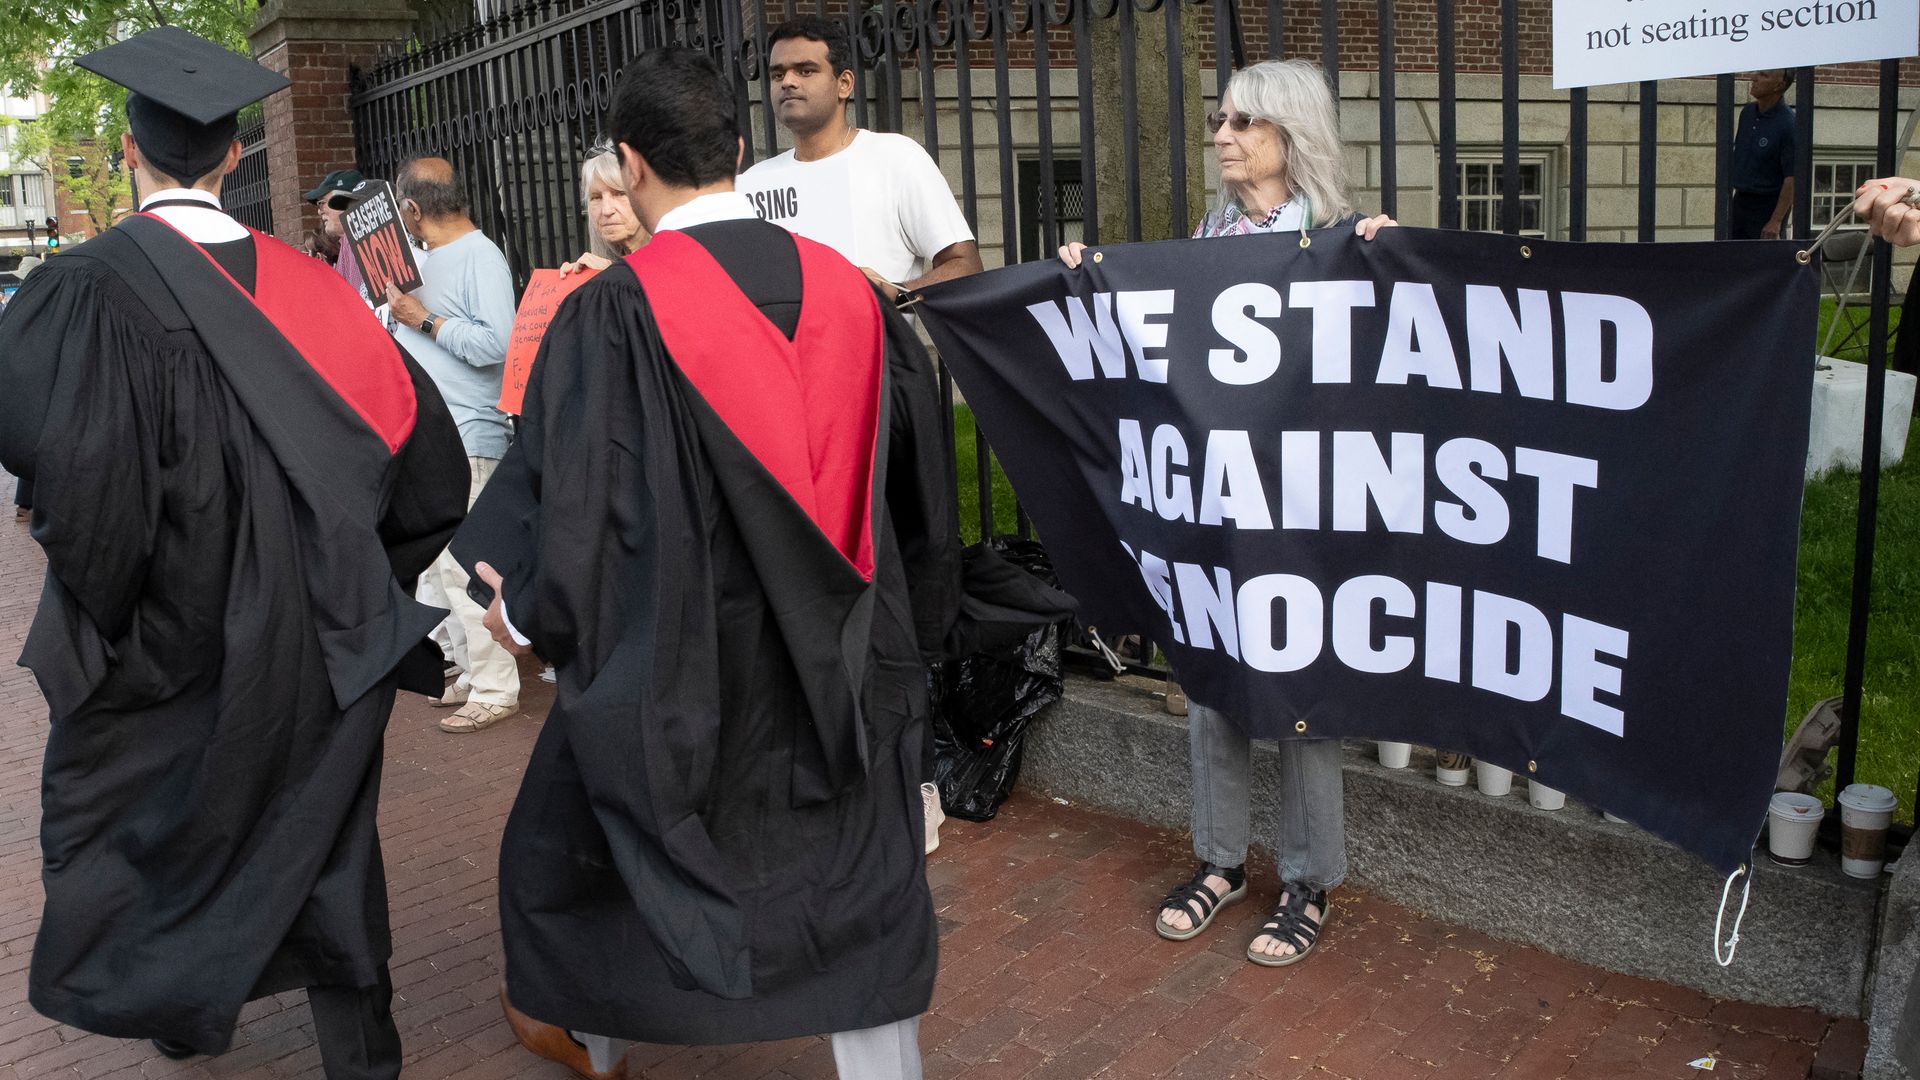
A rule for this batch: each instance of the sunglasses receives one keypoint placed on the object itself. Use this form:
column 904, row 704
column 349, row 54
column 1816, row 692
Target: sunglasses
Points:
column 1218, row 120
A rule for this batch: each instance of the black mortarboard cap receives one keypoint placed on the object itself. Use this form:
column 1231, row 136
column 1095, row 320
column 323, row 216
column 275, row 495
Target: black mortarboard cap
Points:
column 185, row 92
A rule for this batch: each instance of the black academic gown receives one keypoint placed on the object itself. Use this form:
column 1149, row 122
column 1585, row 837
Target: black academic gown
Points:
column 230, row 552
column 713, row 842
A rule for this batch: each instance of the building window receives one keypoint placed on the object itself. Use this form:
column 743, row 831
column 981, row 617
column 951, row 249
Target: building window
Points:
column 33, row 190
column 1481, row 175
column 6, row 192
column 1834, row 182
column 1069, row 204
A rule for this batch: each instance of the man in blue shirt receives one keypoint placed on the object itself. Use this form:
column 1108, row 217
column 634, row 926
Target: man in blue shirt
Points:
column 456, row 324
column 1763, row 154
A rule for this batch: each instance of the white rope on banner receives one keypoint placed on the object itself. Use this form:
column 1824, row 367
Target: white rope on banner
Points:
column 1113, row 660
column 1725, row 891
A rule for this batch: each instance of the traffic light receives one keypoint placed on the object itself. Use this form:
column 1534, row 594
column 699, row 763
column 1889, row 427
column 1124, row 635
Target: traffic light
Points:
column 53, row 235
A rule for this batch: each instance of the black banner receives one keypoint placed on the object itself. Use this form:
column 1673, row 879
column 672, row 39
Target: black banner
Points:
column 1536, row 502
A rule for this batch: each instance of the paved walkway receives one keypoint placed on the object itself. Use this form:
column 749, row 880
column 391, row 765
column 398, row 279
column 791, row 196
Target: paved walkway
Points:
column 1049, row 967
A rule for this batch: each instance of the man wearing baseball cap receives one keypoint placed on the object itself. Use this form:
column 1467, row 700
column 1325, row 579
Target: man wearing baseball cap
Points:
column 333, row 194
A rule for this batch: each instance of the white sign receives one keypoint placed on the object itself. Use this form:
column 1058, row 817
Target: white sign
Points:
column 1622, row 41
column 810, row 198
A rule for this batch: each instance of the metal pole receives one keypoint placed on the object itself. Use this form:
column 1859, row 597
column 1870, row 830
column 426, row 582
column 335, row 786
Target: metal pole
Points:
column 1869, row 512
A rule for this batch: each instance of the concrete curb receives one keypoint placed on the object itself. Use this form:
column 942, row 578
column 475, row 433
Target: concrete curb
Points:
column 1569, row 881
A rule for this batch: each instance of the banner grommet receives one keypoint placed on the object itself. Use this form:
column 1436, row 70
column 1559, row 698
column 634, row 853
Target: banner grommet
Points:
column 1526, row 252
column 1098, row 255
column 1533, row 766
column 1305, row 241
column 1300, row 726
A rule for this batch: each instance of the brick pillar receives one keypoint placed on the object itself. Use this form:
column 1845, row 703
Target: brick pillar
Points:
column 316, row 44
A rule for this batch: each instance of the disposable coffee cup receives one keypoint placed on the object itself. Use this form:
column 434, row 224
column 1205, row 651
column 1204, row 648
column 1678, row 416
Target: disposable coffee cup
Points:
column 1543, row 797
column 1793, row 820
column 1865, row 812
column 1452, row 768
column 1493, row 779
column 1395, row 755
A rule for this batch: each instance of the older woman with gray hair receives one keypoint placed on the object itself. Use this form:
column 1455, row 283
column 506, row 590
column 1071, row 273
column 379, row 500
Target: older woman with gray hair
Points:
column 1282, row 169
column 616, row 230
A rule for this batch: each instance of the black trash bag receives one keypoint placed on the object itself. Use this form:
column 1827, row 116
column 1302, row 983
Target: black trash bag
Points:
column 985, row 701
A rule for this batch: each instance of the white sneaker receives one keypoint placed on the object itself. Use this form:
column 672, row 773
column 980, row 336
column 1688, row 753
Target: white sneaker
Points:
column 930, row 801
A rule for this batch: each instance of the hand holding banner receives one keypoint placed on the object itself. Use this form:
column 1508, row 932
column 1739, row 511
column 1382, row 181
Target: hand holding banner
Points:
column 1533, row 501
column 545, row 290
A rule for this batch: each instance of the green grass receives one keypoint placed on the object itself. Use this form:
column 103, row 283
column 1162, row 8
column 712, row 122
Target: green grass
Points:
column 1857, row 316
column 1004, row 520
column 1889, row 748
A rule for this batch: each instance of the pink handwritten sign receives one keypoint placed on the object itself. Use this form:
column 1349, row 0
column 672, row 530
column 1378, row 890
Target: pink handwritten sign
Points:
column 545, row 290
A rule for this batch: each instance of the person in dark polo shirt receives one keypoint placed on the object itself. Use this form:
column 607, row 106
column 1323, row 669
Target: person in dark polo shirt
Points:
column 1763, row 152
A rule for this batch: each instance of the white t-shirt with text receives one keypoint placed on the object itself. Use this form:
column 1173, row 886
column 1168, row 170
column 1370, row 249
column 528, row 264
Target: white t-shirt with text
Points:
column 881, row 202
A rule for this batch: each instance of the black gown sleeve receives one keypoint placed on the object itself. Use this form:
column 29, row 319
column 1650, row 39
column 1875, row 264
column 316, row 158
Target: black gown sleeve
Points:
column 425, row 503
column 920, row 487
column 76, row 423
column 429, row 494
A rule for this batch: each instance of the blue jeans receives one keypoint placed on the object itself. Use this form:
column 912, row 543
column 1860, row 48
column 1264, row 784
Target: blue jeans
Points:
column 1311, row 839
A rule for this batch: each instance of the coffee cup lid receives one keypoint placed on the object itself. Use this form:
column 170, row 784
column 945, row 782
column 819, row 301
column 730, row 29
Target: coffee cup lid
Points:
column 1794, row 804
column 1870, row 798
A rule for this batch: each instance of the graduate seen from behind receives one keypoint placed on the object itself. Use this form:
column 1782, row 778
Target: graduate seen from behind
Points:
column 238, row 475
column 727, row 521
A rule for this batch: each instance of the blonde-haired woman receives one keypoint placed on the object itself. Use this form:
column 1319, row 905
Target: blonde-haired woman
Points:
column 1282, row 169
column 616, row 230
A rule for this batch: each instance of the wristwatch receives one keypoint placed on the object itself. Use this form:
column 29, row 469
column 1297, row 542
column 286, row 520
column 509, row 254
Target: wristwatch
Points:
column 427, row 324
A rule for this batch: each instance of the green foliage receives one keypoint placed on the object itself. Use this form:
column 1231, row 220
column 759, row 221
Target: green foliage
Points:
column 1889, row 748
column 1850, row 342
column 966, row 459
column 86, row 114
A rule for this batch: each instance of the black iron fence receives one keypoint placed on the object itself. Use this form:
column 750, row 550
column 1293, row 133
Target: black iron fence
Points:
column 246, row 192
column 1080, row 119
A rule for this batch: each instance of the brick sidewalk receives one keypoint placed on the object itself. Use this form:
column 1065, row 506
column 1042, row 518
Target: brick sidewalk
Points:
column 1049, row 967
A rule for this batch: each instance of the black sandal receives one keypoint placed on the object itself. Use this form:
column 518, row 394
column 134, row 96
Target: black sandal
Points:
column 1291, row 925
column 1198, row 902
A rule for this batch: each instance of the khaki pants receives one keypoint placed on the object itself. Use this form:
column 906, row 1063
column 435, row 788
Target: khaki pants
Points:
column 487, row 671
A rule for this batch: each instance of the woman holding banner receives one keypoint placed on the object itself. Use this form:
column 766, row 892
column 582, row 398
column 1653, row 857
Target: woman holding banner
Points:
column 617, row 232
column 1282, row 169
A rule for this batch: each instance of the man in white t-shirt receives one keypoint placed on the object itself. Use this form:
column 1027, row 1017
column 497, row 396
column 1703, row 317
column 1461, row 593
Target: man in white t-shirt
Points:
column 876, row 198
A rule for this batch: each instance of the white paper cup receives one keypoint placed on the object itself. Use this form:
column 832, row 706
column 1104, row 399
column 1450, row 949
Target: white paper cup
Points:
column 1493, row 779
column 1395, row 755
column 1452, row 768
column 1793, row 820
column 1865, row 812
column 1543, row 797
